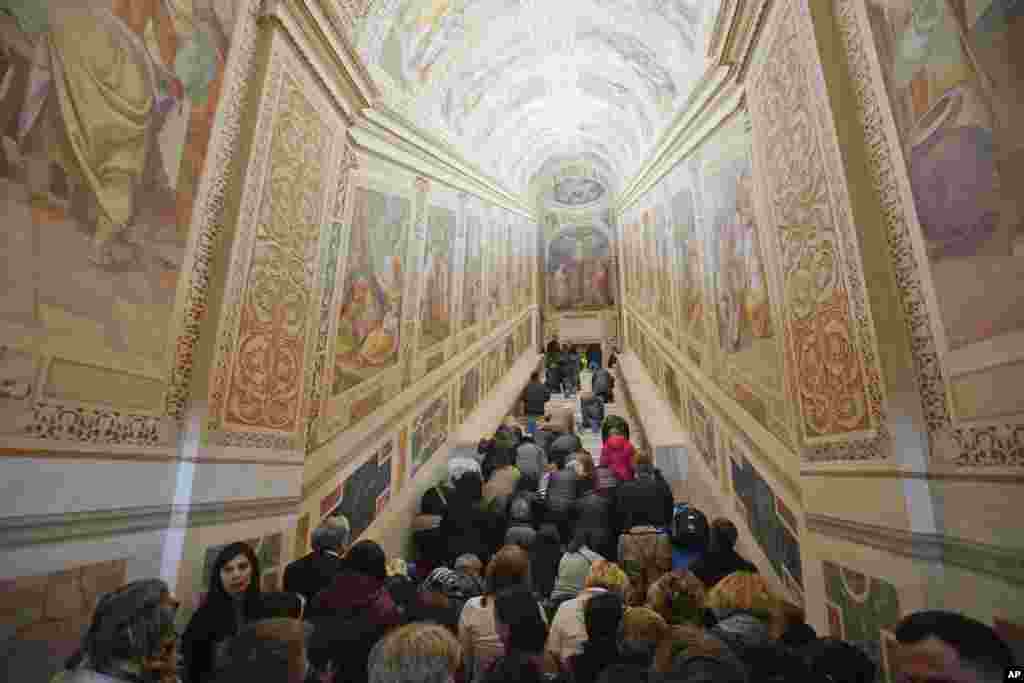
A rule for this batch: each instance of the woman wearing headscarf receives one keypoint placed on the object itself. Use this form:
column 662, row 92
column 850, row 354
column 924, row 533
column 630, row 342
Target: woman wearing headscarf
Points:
column 233, row 601
column 131, row 638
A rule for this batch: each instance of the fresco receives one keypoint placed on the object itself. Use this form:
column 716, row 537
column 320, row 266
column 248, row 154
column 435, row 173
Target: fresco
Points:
column 371, row 306
column 689, row 271
column 954, row 79
column 704, row 434
column 419, row 38
column 771, row 522
column 437, row 292
column 672, row 394
column 492, row 262
column 469, row 392
column 95, row 232
column 744, row 314
column 579, row 270
column 430, row 431
column 363, row 487
column 472, row 283
column 665, row 269
column 860, row 609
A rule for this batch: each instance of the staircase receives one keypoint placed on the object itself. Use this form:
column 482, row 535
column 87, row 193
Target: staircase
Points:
column 592, row 441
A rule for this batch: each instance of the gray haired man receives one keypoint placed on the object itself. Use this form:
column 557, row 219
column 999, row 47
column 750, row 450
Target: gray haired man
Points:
column 307, row 576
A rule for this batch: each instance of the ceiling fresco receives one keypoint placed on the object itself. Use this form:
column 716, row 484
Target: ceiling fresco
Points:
column 515, row 83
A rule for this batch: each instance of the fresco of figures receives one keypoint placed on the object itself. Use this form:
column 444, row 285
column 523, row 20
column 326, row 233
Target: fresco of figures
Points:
column 369, row 327
column 437, row 294
column 492, row 260
column 955, row 83
column 579, row 269
column 472, row 281
column 665, row 263
column 95, row 233
column 689, row 263
column 744, row 314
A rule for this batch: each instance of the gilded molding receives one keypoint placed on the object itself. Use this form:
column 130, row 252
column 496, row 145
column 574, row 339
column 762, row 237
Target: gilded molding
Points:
column 1003, row 563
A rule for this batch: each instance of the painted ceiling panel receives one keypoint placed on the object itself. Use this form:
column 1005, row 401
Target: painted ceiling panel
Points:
column 515, row 83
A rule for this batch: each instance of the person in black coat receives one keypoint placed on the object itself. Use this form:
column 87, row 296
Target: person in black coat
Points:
column 308, row 575
column 468, row 529
column 569, row 362
column 645, row 500
column 545, row 556
column 602, row 616
column 721, row 559
column 233, row 600
column 535, row 395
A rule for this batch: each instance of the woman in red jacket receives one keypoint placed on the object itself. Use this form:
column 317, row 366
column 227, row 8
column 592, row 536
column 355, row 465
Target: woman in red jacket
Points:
column 618, row 453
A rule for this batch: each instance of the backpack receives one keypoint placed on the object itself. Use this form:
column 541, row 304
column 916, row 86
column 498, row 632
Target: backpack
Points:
column 689, row 526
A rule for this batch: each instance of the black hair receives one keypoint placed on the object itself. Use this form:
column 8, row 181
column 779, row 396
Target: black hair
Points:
column 977, row 645
column 603, row 617
column 218, row 598
column 838, row 661
column 534, row 376
column 723, row 534
column 367, row 557
column 517, row 608
column 514, row 668
column 583, row 537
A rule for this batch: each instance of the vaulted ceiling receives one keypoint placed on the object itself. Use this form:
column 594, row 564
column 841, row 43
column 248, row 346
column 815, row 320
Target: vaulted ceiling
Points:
column 516, row 84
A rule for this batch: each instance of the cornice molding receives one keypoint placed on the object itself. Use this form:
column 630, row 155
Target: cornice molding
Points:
column 29, row 530
column 1003, row 563
column 388, row 135
column 327, row 51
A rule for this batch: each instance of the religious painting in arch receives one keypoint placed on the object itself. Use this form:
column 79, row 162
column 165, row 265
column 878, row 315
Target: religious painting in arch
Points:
column 369, row 324
column 436, row 307
column 579, row 270
column 954, row 73
column 95, row 234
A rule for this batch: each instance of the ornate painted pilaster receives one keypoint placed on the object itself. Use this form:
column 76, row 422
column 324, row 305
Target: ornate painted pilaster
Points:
column 329, row 278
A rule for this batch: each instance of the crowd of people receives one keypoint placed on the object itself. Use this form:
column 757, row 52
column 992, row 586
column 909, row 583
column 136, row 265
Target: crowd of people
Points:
column 534, row 561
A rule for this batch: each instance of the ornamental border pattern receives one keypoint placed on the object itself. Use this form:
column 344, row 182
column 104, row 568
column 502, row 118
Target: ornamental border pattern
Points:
column 253, row 196
column 209, row 202
column 876, row 444
column 998, row 445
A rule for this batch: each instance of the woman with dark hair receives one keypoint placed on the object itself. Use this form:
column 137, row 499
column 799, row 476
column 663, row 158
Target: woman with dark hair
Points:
column 233, row 601
column 545, row 556
column 838, row 661
column 523, row 632
column 603, row 618
column 131, row 638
